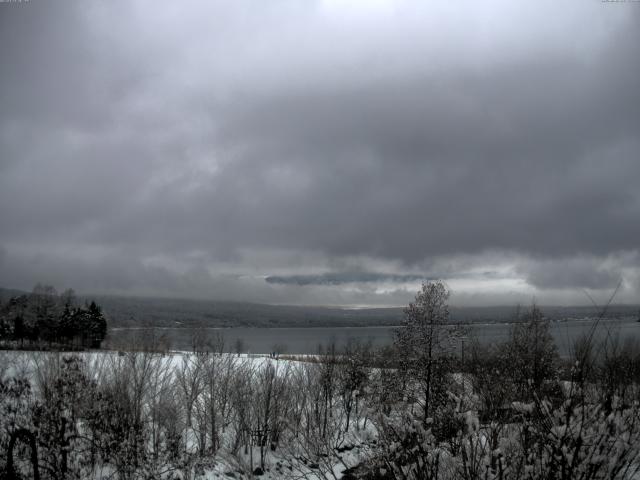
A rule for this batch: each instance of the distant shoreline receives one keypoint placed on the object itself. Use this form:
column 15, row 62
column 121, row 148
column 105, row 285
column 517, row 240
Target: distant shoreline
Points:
column 380, row 326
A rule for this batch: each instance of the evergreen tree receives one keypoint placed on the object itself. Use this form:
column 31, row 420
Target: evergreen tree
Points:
column 97, row 325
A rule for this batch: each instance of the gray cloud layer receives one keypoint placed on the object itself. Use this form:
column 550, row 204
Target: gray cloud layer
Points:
column 344, row 277
column 197, row 149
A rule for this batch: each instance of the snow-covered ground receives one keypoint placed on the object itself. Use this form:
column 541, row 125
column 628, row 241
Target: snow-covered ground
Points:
column 340, row 451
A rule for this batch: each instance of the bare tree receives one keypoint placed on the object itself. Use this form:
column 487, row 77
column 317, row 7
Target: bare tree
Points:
column 531, row 353
column 423, row 343
column 189, row 377
column 353, row 374
column 214, row 406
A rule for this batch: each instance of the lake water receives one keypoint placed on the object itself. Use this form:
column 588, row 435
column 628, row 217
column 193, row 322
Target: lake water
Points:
column 305, row 340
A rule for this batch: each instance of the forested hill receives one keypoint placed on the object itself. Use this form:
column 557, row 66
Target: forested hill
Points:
column 135, row 311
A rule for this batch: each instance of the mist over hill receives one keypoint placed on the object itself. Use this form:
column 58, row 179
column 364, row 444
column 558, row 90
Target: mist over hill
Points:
column 124, row 311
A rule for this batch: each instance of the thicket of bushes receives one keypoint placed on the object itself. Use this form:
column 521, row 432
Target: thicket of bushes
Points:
column 414, row 411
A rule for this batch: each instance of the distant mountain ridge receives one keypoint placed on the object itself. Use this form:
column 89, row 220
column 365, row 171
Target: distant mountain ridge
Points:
column 124, row 311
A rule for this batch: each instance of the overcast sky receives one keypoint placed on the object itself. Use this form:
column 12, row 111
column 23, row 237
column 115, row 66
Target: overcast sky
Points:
column 322, row 152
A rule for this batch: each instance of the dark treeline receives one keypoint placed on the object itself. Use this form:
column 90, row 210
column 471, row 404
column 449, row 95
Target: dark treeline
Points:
column 417, row 410
column 45, row 318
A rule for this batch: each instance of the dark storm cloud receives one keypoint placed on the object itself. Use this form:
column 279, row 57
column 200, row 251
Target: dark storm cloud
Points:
column 406, row 173
column 344, row 277
column 143, row 143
